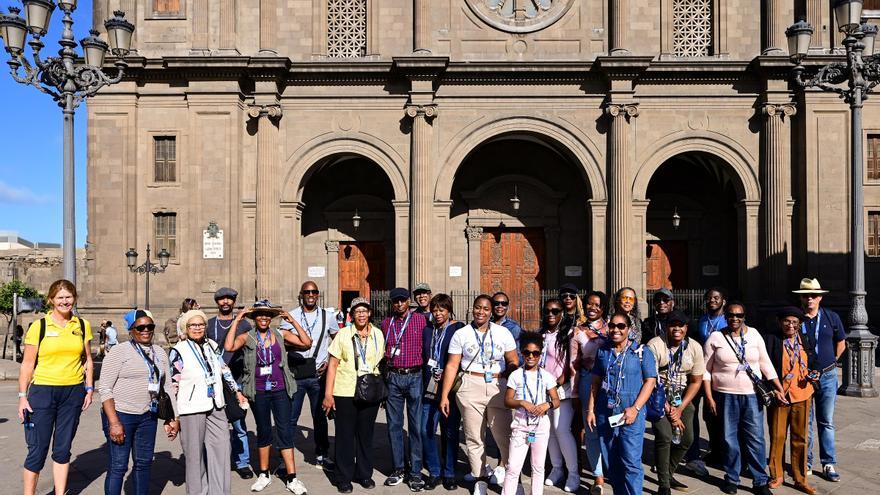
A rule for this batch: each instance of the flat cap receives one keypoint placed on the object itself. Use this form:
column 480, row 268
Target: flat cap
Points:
column 224, row 292
column 398, row 293
column 422, row 287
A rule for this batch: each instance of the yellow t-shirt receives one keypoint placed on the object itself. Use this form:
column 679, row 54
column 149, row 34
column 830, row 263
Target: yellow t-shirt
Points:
column 342, row 349
column 60, row 356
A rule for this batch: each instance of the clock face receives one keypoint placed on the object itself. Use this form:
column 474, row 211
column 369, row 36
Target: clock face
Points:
column 519, row 16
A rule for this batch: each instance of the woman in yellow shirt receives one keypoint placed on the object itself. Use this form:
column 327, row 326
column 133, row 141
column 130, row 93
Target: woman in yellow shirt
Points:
column 55, row 385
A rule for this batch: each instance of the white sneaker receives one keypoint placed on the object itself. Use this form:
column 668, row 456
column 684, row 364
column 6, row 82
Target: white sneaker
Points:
column 481, row 488
column 697, row 467
column 296, row 486
column 554, row 477
column 572, row 484
column 263, row 480
column 497, row 476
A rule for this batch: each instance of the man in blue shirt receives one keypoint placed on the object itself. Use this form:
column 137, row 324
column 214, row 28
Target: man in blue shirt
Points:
column 500, row 305
column 827, row 329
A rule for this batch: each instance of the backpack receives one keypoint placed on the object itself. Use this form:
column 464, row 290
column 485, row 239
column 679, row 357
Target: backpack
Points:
column 82, row 326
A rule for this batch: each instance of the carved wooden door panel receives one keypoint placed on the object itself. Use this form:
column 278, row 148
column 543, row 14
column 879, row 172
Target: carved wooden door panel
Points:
column 667, row 264
column 512, row 260
column 361, row 268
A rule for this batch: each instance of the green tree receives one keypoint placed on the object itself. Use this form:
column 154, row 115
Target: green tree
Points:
column 15, row 287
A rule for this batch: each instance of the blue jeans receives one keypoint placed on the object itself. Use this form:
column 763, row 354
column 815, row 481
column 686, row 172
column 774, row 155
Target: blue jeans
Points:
column 314, row 388
column 824, row 399
column 238, row 437
column 448, row 447
column 591, row 437
column 269, row 405
column 140, row 440
column 743, row 419
column 622, row 449
column 405, row 388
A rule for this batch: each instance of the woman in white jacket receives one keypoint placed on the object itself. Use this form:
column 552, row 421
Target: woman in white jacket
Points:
column 198, row 376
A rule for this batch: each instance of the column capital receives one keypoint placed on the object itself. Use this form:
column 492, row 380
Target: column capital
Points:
column 781, row 110
column 331, row 246
column 428, row 112
column 474, row 233
column 626, row 110
column 271, row 111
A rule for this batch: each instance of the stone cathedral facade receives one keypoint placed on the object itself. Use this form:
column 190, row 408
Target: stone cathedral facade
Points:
column 474, row 145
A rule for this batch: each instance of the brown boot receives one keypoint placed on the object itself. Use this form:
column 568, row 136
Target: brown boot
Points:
column 776, row 482
column 806, row 488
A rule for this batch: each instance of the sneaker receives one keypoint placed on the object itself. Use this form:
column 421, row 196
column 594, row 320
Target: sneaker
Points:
column 296, row 486
column 597, row 489
column 497, row 476
column 480, row 488
column 762, row 490
column 396, row 478
column 554, row 477
column 450, row 484
column 416, row 484
column 830, row 473
column 431, row 482
column 573, row 483
column 469, row 478
column 677, row 485
column 324, row 462
column 728, row 488
column 697, row 467
column 809, row 470
column 245, row 472
column 368, row 483
column 263, row 480
column 345, row 488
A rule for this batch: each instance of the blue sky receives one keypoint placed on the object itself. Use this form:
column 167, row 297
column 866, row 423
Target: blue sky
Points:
column 31, row 160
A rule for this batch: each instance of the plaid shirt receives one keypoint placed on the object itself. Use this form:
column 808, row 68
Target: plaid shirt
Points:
column 411, row 345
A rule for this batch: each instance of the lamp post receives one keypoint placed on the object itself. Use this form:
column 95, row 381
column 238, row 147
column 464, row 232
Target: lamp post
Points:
column 147, row 268
column 861, row 73
column 65, row 78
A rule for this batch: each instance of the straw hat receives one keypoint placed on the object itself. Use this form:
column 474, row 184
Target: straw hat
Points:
column 810, row 286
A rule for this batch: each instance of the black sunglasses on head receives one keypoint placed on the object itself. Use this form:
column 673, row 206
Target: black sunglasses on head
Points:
column 145, row 328
column 552, row 311
column 500, row 303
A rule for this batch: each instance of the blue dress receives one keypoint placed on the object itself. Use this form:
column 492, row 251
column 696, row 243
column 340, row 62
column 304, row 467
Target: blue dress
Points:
column 622, row 378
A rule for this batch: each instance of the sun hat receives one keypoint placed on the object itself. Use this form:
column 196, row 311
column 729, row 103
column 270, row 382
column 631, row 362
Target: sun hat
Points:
column 810, row 286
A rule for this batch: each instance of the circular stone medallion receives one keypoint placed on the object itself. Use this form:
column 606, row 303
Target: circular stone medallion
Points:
column 519, row 16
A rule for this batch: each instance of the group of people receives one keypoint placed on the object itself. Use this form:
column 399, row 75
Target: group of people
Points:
column 593, row 375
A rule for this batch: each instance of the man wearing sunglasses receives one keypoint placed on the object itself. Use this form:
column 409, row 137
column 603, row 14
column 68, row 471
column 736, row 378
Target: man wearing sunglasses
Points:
column 309, row 364
column 500, row 306
column 422, row 296
column 655, row 325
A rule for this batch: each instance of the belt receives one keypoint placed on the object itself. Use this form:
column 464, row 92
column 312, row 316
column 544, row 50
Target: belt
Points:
column 478, row 373
column 829, row 368
column 406, row 371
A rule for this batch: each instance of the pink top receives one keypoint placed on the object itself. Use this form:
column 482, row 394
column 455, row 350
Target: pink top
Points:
column 722, row 365
column 550, row 359
column 582, row 354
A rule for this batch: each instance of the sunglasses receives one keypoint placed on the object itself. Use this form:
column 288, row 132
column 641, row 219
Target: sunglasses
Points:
column 533, row 354
column 738, row 316
column 567, row 295
column 627, row 298
column 310, row 292
column 617, row 326
column 145, row 328
column 501, row 303
column 552, row 311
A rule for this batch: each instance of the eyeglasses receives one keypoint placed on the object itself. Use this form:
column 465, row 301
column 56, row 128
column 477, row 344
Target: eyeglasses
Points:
column 617, row 326
column 791, row 323
column 360, row 311
column 626, row 298
column 552, row 311
column 533, row 354
column 310, row 292
column 738, row 316
column 196, row 325
column 567, row 295
column 145, row 328
column 501, row 303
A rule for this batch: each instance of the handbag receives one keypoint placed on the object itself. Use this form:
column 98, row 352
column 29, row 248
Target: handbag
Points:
column 459, row 376
column 164, row 409
column 234, row 411
column 305, row 367
column 369, row 388
column 763, row 391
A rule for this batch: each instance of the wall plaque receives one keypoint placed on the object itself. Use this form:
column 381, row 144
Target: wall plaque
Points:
column 212, row 244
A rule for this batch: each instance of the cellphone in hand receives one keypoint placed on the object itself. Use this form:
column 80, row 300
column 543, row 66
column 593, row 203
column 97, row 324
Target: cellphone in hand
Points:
column 28, row 423
column 331, row 414
column 616, row 420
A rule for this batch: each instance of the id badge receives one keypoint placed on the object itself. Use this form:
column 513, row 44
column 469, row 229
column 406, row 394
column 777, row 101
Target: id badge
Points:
column 789, row 376
column 676, row 400
column 395, row 353
column 530, row 438
column 211, row 390
column 363, row 371
column 431, row 391
column 268, row 386
column 611, row 404
column 605, row 386
column 154, row 406
column 51, row 334
column 432, row 363
column 487, row 376
column 153, row 388
column 265, row 370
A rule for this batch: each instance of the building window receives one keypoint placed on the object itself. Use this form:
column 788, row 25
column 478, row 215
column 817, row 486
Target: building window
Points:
column 165, row 232
column 873, row 245
column 167, row 8
column 873, row 157
column 691, row 28
column 165, row 158
column 346, row 28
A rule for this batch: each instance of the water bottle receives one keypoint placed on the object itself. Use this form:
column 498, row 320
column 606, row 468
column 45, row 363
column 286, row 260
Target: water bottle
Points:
column 676, row 435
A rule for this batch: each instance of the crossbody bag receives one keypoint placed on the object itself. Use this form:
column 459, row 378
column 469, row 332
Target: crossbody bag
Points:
column 763, row 391
column 306, row 367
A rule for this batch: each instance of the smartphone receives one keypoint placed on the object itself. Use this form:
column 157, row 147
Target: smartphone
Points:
column 28, row 424
column 331, row 414
column 616, row 420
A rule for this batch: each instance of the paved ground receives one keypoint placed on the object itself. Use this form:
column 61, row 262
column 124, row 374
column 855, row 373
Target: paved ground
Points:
column 858, row 448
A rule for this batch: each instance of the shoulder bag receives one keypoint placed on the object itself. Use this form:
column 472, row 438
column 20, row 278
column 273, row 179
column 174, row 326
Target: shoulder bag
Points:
column 305, row 367
column 763, row 391
column 369, row 388
column 459, row 376
column 164, row 410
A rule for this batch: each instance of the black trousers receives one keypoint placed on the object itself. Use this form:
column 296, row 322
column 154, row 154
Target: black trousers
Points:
column 715, row 432
column 354, row 439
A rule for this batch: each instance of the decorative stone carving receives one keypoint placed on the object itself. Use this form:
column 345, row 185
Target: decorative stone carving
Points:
column 346, row 28
column 627, row 110
column 474, row 233
column 519, row 16
column 271, row 111
column 691, row 28
column 781, row 110
column 426, row 111
column 331, row 246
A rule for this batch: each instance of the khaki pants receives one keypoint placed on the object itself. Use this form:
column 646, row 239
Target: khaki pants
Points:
column 781, row 419
column 481, row 405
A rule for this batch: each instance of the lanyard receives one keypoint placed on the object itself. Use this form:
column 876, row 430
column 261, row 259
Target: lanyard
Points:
column 619, row 363
column 483, row 347
column 437, row 343
column 362, row 348
column 151, row 367
column 816, row 328
column 266, row 356
column 674, row 367
column 545, row 350
column 527, row 394
column 741, row 345
column 599, row 331
column 794, row 355
column 402, row 330
column 216, row 334
column 204, row 364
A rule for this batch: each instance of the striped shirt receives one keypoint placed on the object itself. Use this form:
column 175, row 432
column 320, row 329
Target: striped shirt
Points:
column 408, row 330
column 125, row 377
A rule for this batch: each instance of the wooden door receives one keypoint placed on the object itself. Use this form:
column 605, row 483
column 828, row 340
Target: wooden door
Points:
column 667, row 264
column 361, row 269
column 512, row 260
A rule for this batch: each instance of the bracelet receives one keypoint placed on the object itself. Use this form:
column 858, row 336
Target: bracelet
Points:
column 22, row 395
column 638, row 408
column 89, row 389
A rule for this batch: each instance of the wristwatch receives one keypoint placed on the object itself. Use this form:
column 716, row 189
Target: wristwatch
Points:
column 22, row 395
column 638, row 408
column 90, row 389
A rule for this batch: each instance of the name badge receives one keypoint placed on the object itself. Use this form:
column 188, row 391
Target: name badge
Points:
column 265, row 370
column 51, row 334
column 487, row 376
column 363, row 371
column 211, row 391
column 395, row 352
column 153, row 387
column 530, row 438
column 432, row 363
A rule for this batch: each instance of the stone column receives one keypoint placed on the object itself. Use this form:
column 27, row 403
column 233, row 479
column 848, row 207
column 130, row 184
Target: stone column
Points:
column 620, row 194
column 420, row 190
column 421, row 27
column 267, row 199
column 331, row 292
column 774, row 28
column 474, row 238
column 268, row 24
column 619, row 23
column 227, row 26
column 775, row 244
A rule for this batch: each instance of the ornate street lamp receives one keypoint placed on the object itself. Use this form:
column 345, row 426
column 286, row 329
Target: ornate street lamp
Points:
column 64, row 78
column 147, row 268
column 515, row 201
column 852, row 80
column 356, row 220
column 676, row 219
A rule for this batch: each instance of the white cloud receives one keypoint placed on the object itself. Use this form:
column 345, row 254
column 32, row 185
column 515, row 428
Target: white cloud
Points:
column 20, row 195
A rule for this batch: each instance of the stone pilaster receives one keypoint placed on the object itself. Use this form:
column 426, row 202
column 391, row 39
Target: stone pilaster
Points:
column 773, row 39
column 619, row 19
column 776, row 244
column 421, row 27
column 268, row 26
column 227, row 26
column 421, row 205
column 267, row 198
column 619, row 193
column 474, row 239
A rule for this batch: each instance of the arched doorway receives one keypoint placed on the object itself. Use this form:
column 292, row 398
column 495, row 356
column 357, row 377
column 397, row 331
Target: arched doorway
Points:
column 348, row 228
column 701, row 247
column 523, row 203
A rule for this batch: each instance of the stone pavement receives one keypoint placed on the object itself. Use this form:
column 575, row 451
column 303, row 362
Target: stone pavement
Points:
column 858, row 450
